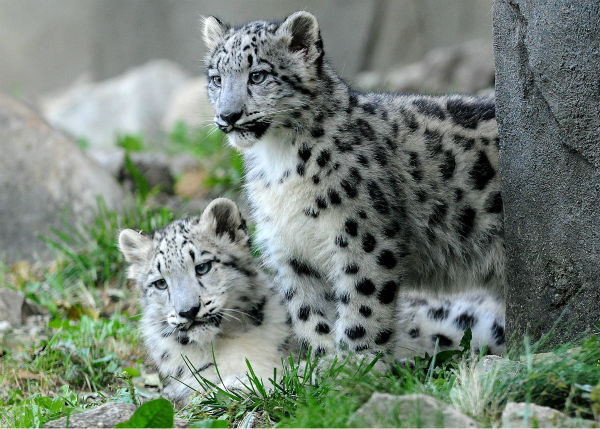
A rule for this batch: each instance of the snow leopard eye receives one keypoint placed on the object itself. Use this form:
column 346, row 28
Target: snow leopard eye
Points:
column 258, row 77
column 203, row 268
column 216, row 80
column 160, row 284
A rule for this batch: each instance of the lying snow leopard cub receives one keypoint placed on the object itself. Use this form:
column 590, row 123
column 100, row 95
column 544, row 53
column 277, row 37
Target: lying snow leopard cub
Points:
column 201, row 287
column 356, row 196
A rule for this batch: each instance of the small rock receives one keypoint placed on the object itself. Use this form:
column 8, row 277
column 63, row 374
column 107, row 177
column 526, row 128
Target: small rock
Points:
column 189, row 105
column 466, row 68
column 154, row 167
column 11, row 306
column 489, row 363
column 415, row 410
column 569, row 356
column 159, row 168
column 15, row 309
column 521, row 414
column 132, row 103
column 253, row 419
column 105, row 416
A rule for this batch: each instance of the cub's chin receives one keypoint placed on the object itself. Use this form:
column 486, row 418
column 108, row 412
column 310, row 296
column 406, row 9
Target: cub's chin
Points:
column 241, row 139
column 203, row 334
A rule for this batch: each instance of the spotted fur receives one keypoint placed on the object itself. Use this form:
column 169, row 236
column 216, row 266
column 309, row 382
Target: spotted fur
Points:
column 201, row 291
column 356, row 196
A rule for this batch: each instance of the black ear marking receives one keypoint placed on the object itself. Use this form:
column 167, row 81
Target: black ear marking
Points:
column 302, row 31
column 224, row 218
column 225, row 221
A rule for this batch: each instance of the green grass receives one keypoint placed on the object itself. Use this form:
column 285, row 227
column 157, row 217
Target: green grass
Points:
column 92, row 333
column 85, row 348
column 90, row 348
column 567, row 378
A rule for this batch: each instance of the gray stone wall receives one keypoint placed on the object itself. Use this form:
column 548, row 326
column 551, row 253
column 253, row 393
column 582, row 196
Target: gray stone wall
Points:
column 45, row 45
column 548, row 108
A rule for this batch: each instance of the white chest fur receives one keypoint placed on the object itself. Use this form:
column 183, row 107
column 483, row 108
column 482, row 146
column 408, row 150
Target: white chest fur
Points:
column 282, row 201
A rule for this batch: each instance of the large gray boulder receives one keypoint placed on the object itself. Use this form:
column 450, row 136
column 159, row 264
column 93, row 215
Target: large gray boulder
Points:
column 548, row 107
column 42, row 174
column 132, row 103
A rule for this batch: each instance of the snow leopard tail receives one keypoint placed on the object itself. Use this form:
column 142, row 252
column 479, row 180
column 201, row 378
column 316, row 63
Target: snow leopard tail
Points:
column 427, row 322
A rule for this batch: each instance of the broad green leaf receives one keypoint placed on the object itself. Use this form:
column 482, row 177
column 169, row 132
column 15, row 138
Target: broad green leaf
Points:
column 157, row 413
column 132, row 372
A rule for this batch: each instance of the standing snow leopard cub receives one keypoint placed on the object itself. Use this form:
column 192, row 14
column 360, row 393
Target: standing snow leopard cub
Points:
column 202, row 291
column 356, row 196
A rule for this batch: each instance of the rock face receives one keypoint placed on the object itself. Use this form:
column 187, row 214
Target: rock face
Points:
column 132, row 103
column 466, row 68
column 416, row 410
column 42, row 174
column 519, row 415
column 548, row 108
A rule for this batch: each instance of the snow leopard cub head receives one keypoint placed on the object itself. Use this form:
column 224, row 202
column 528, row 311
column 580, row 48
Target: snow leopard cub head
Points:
column 262, row 75
column 192, row 273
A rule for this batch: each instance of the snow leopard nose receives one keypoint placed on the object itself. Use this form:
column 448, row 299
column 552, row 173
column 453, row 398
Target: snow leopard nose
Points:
column 231, row 117
column 191, row 313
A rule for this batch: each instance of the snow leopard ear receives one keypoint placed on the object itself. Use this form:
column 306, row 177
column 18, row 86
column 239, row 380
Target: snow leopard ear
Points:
column 135, row 247
column 223, row 218
column 301, row 32
column 213, row 30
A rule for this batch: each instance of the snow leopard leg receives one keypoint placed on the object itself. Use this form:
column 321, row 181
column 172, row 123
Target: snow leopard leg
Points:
column 310, row 303
column 366, row 297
